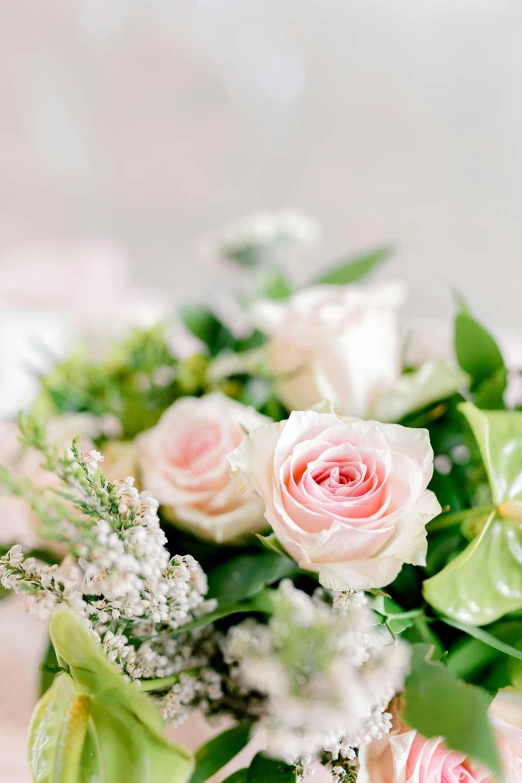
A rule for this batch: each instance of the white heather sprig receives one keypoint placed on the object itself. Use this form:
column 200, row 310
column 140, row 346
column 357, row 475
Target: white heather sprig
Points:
column 326, row 671
column 120, row 575
column 264, row 232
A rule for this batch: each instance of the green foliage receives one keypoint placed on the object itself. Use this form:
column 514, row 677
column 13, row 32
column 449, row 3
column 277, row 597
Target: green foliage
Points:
column 479, row 355
column 204, row 325
column 272, row 543
column 440, row 705
column 239, row 776
column 499, row 437
column 212, row 756
column 266, row 770
column 246, row 575
column 484, row 582
column 48, row 669
column 352, row 269
column 93, row 724
column 136, row 382
column 277, row 286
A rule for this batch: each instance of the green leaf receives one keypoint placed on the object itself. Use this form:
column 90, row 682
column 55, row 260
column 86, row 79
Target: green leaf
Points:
column 246, row 575
column 477, row 352
column 484, row 582
column 277, row 286
column 440, row 705
column 469, row 658
column 239, row 776
column 499, row 437
column 354, row 268
column 94, row 725
column 485, row 637
column 266, row 770
column 206, row 327
column 219, row 751
column 490, row 392
column 272, row 543
column 50, row 660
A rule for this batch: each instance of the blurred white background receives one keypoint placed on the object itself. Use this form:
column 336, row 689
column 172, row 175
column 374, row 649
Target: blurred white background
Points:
column 155, row 123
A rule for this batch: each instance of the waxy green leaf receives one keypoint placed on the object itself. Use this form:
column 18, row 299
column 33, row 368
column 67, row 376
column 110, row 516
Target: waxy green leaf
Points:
column 440, row 705
column 477, row 352
column 484, row 582
column 499, row 437
column 92, row 724
column 352, row 269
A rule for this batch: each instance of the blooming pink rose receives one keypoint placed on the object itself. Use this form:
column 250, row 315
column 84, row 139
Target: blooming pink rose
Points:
column 405, row 756
column 346, row 498
column 333, row 342
column 183, row 462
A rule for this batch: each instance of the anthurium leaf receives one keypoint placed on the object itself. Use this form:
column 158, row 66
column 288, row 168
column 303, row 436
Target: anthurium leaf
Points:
column 352, row 269
column 246, row 575
column 440, row 705
column 266, row 770
column 477, row 352
column 93, row 725
column 484, row 582
column 499, row 437
column 212, row 756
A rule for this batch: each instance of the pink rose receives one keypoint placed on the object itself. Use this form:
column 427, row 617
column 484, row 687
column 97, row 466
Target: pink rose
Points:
column 333, row 342
column 346, row 498
column 405, row 756
column 183, row 462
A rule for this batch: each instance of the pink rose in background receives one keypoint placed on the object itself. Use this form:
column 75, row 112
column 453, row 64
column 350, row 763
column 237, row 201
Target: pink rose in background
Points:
column 183, row 463
column 405, row 756
column 340, row 343
column 346, row 498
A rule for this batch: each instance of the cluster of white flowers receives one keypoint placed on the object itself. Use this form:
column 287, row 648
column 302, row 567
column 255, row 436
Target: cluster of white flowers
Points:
column 264, row 230
column 121, row 579
column 327, row 672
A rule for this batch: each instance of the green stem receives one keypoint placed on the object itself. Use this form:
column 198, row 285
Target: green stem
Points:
column 164, row 683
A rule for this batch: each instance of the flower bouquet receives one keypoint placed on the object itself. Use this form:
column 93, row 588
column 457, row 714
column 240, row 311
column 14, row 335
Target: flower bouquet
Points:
column 301, row 530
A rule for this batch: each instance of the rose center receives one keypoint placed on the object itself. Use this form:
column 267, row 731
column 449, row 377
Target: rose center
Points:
column 339, row 476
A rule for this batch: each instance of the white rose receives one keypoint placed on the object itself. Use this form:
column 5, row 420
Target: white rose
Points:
column 183, row 463
column 339, row 343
